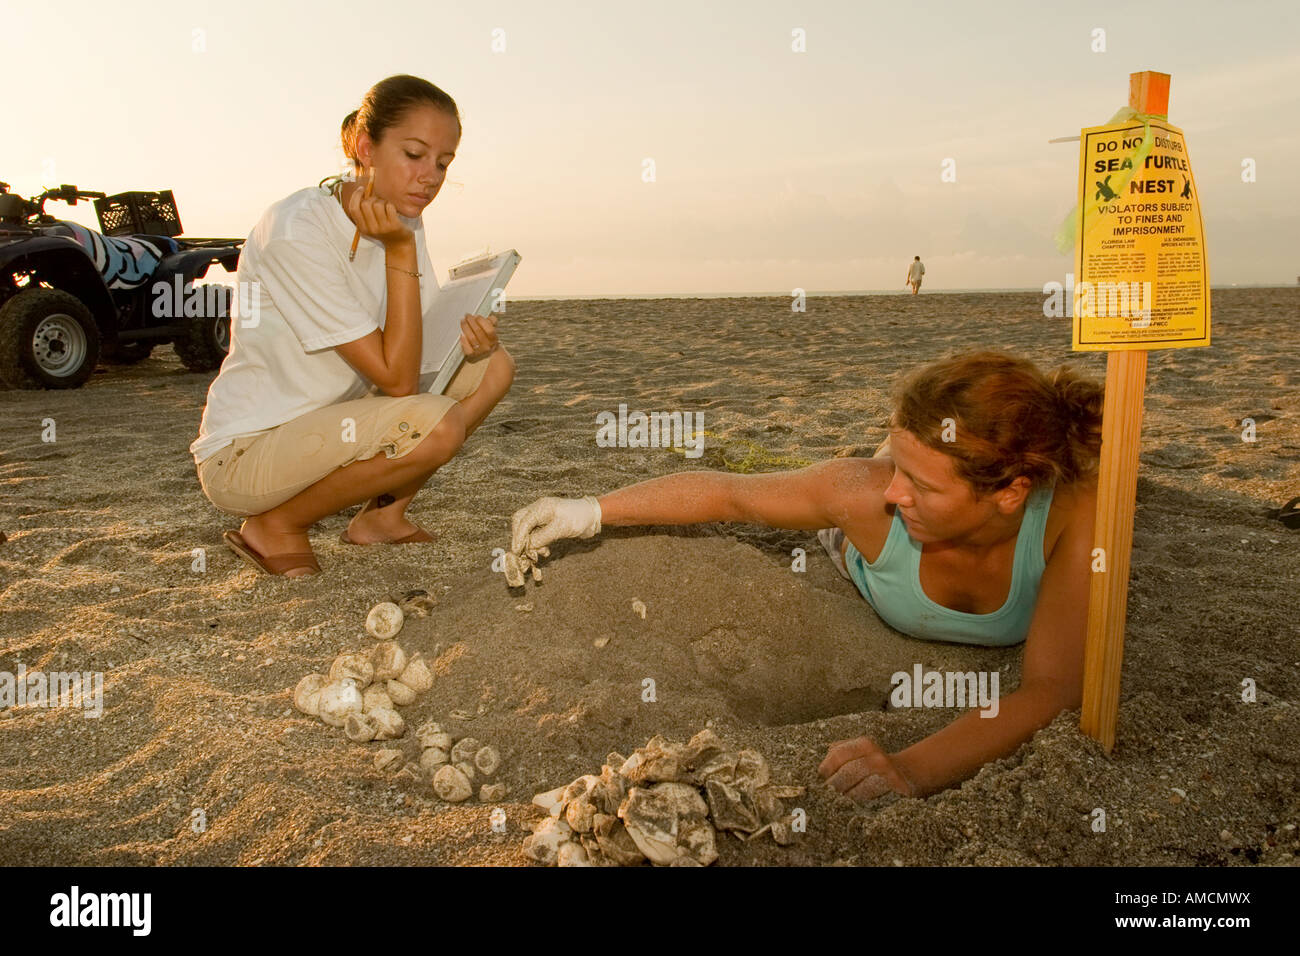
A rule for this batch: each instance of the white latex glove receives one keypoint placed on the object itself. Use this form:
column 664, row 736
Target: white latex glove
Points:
column 535, row 526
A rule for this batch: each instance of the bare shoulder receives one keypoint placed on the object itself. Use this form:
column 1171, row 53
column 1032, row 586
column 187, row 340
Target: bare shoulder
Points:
column 1072, row 516
column 854, row 490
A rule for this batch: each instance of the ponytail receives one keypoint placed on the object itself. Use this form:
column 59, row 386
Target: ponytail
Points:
column 1080, row 401
column 348, row 136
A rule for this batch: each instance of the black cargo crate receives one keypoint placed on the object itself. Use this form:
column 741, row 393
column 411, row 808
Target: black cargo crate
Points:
column 139, row 214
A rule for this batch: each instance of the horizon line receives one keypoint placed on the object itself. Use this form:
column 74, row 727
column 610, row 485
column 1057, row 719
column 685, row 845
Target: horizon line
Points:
column 810, row 294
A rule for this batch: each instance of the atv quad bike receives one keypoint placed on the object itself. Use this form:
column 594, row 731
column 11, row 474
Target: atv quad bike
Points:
column 70, row 296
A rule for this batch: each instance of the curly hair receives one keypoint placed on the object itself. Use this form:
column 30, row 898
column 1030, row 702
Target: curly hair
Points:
column 1000, row 418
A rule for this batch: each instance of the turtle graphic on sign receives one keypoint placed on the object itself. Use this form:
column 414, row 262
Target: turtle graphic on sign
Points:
column 1141, row 279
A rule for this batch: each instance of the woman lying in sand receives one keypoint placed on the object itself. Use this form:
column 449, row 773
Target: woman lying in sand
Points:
column 973, row 524
column 295, row 421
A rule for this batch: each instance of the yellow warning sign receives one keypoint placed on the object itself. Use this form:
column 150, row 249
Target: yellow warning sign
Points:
column 1141, row 277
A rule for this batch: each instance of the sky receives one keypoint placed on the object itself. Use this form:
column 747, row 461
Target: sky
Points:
column 773, row 169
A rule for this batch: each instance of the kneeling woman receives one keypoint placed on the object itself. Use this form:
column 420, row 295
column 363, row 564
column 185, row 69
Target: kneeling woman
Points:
column 975, row 526
column 315, row 385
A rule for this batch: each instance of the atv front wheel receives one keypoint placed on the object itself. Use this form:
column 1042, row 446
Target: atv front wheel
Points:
column 206, row 339
column 48, row 339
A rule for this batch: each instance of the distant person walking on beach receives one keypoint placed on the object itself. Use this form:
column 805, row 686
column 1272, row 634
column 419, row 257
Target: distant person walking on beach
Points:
column 328, row 375
column 914, row 273
column 972, row 524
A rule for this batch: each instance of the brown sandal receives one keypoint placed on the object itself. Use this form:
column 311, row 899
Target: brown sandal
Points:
column 277, row 564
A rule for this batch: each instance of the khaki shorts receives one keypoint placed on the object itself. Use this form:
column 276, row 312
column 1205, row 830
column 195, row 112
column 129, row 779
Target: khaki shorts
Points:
column 255, row 474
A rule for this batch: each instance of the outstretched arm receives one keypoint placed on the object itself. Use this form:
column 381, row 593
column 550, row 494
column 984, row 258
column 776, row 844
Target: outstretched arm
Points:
column 1051, row 681
column 812, row 497
column 818, row 496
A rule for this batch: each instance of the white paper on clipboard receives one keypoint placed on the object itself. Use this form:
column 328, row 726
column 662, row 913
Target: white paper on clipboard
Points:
column 472, row 287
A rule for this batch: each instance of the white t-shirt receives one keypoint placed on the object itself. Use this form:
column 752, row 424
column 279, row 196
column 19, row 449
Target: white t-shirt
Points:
column 294, row 267
column 915, row 270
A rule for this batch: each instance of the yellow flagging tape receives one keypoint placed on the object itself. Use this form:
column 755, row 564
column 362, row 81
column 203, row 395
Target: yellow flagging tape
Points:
column 1065, row 235
column 755, row 456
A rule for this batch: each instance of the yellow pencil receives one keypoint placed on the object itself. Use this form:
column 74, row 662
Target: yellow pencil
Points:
column 370, row 183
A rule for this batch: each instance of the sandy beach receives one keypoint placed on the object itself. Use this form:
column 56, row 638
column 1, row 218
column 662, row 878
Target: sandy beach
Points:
column 103, row 523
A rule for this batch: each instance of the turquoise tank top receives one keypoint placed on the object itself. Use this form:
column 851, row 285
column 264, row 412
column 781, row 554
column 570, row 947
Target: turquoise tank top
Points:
column 892, row 585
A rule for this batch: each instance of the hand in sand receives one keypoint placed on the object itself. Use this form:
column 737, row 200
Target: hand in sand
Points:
column 550, row 519
column 478, row 335
column 861, row 770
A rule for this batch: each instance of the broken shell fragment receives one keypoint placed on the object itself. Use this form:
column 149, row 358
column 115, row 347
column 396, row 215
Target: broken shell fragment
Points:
column 638, row 608
column 752, row 770
column 428, row 729
column 357, row 667
column 432, row 759
column 580, row 813
column 650, row 806
column 616, row 844
column 337, row 700
column 360, row 727
column 546, row 839
column 608, row 792
column 388, row 723
column 578, row 787
column 492, row 792
column 698, row 842
column 384, row 620
column 571, row 854
column 389, row 660
column 375, row 697
column 388, row 760
column 465, row 749
column 782, row 833
column 417, row 675
column 486, row 759
column 730, row 807
column 703, row 747
column 452, row 785
column 552, row 801
column 417, row 603
column 721, row 765
column 440, row 740
column 399, row 693
column 306, row 695
column 655, row 819
column 514, row 571
column 658, row 761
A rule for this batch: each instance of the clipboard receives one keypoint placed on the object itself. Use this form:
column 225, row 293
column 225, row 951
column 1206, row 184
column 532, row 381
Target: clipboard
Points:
column 473, row 287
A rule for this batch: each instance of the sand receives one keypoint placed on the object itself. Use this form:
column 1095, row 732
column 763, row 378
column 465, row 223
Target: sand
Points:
column 97, row 575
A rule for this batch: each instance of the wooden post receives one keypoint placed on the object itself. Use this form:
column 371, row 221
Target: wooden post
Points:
column 1121, row 440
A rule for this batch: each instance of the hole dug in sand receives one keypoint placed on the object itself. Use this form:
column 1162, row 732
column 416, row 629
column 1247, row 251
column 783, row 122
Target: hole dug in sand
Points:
column 728, row 633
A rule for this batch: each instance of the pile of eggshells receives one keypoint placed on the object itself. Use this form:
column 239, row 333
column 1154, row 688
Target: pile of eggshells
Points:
column 362, row 691
column 457, row 764
column 665, row 803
